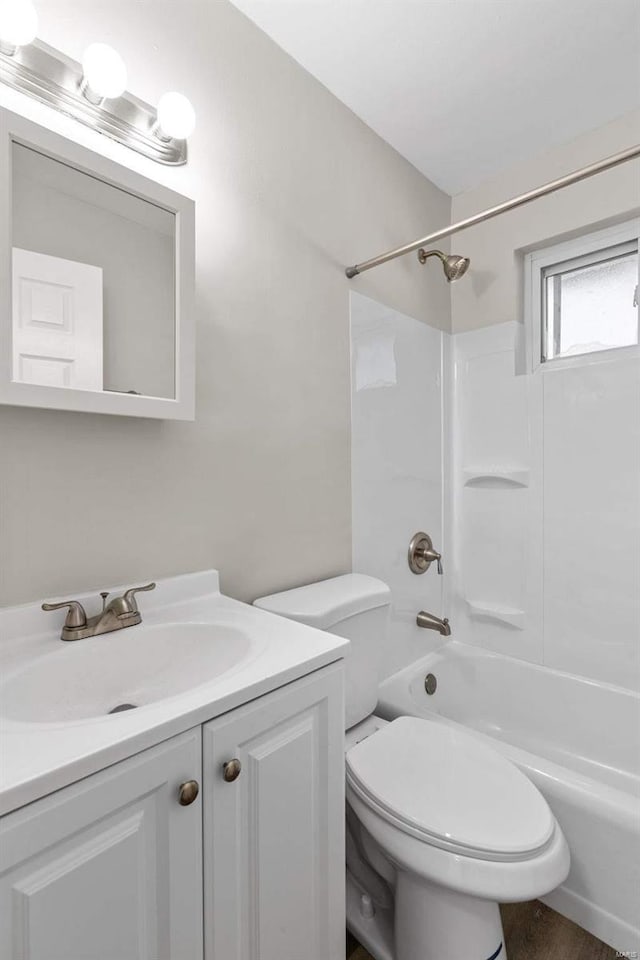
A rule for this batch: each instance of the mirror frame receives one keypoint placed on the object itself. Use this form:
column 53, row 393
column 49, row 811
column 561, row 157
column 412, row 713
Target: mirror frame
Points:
column 17, row 129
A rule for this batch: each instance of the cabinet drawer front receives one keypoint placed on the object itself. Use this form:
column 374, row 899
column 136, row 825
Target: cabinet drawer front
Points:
column 108, row 868
column 274, row 833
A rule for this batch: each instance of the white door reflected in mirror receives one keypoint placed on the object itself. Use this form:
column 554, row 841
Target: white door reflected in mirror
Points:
column 57, row 321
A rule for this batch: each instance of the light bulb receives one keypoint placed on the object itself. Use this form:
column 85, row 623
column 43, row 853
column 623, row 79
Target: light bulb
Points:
column 176, row 117
column 18, row 24
column 105, row 75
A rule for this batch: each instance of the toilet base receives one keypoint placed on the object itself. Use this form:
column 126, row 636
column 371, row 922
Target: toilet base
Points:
column 435, row 923
column 438, row 924
column 375, row 932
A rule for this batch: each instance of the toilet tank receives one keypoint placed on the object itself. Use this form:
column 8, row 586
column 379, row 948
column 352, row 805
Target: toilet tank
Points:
column 353, row 606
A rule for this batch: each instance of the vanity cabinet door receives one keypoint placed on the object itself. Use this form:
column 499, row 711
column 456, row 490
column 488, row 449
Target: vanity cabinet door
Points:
column 109, row 868
column 274, row 835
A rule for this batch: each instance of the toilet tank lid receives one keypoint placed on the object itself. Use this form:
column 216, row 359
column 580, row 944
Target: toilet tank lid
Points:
column 325, row 603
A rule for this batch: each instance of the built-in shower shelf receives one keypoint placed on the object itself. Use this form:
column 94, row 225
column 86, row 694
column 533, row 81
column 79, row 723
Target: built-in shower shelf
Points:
column 491, row 475
column 511, row 616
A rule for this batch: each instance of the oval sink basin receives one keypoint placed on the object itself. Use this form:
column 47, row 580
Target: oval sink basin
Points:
column 134, row 667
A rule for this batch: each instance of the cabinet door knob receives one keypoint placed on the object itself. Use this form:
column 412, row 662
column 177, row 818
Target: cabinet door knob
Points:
column 231, row 770
column 189, row 790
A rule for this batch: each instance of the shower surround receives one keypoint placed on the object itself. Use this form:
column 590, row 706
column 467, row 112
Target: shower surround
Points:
column 398, row 452
column 547, row 506
column 528, row 484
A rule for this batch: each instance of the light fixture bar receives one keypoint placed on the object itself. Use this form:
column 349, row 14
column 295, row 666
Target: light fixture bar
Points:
column 49, row 76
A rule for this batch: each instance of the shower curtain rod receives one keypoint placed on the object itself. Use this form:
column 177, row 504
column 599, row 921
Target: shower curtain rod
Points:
column 551, row 187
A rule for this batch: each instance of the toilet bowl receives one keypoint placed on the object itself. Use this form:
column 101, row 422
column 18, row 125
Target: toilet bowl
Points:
column 440, row 827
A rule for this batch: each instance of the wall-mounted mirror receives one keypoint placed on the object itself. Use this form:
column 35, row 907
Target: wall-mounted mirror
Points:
column 97, row 270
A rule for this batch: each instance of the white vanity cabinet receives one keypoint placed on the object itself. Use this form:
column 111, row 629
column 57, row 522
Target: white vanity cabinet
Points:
column 274, row 835
column 115, row 867
column 108, row 868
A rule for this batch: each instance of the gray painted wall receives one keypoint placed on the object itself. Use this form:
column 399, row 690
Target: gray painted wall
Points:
column 289, row 186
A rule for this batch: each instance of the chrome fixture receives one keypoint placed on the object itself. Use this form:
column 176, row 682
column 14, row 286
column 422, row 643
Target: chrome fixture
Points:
column 421, row 554
column 430, row 622
column 120, row 613
column 430, row 684
column 453, row 265
column 589, row 171
column 93, row 92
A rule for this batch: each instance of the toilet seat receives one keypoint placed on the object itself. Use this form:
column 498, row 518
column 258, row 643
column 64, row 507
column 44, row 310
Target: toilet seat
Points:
column 447, row 789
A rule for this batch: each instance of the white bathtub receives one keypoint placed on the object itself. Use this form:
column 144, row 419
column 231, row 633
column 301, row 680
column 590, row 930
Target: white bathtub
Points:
column 579, row 742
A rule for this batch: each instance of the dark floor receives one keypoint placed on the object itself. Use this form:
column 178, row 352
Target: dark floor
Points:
column 533, row 932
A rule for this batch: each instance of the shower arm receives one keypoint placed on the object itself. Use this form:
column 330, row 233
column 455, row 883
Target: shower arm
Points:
column 590, row 171
column 424, row 254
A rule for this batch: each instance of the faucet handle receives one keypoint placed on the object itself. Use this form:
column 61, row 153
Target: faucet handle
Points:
column 76, row 617
column 129, row 596
column 428, row 555
column 422, row 554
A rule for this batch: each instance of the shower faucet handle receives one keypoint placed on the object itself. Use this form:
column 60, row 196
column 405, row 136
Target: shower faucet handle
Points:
column 429, row 556
column 422, row 554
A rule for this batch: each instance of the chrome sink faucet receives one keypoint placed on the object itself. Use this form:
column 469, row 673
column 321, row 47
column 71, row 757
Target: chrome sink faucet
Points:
column 431, row 622
column 119, row 613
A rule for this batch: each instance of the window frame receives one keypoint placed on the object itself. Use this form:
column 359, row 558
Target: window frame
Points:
column 586, row 250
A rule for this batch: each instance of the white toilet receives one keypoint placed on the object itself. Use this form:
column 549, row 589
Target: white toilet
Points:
column 440, row 827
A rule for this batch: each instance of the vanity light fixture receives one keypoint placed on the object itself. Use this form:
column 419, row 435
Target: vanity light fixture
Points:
column 104, row 74
column 93, row 92
column 18, row 26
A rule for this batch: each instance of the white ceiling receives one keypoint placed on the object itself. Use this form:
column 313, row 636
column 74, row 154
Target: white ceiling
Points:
column 465, row 88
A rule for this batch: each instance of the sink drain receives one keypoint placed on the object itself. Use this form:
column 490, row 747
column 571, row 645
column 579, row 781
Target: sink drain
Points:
column 123, row 706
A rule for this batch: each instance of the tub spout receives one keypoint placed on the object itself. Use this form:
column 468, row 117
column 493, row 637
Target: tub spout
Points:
column 431, row 622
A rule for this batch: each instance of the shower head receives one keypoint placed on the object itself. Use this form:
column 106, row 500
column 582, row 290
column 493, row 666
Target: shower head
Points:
column 453, row 265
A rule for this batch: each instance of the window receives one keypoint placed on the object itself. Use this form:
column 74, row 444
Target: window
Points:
column 582, row 296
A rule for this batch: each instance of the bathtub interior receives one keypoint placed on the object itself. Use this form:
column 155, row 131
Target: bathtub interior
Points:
column 590, row 728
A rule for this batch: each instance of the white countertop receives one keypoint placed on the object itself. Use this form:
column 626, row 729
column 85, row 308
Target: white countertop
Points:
column 38, row 758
